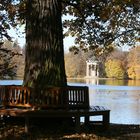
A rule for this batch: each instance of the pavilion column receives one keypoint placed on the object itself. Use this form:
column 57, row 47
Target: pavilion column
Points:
column 95, row 69
column 97, row 72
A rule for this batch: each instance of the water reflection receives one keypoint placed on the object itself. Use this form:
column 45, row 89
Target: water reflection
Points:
column 124, row 105
column 92, row 81
column 112, row 82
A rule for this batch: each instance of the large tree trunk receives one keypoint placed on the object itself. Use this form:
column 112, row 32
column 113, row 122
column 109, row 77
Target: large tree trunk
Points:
column 44, row 63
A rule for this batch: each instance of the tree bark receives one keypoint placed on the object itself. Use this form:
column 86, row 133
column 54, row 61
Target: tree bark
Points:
column 44, row 61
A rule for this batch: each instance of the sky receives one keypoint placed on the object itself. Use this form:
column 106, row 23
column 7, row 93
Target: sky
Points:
column 20, row 37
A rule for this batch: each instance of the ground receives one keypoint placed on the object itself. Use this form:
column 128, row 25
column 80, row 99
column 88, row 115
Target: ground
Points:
column 11, row 130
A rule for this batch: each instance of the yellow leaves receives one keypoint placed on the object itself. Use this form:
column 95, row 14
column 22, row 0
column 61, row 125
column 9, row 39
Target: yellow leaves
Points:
column 117, row 8
column 114, row 69
column 131, row 73
column 134, row 72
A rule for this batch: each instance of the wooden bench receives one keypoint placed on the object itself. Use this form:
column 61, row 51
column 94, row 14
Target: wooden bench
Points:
column 69, row 101
column 15, row 96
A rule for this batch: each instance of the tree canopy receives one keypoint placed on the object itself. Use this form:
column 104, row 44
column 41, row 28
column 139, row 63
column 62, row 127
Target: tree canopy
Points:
column 98, row 23
column 93, row 23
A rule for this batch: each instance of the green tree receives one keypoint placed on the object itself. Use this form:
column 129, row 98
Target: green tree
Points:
column 95, row 24
column 120, row 55
column 114, row 69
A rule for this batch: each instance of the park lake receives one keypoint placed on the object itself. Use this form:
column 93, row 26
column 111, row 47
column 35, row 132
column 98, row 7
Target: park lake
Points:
column 121, row 97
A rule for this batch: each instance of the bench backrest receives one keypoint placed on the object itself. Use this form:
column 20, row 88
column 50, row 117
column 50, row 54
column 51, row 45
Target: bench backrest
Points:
column 15, row 96
column 63, row 97
column 70, row 97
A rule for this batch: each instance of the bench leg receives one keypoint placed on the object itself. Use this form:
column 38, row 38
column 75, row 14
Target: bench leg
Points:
column 87, row 120
column 26, row 124
column 106, row 119
column 77, row 123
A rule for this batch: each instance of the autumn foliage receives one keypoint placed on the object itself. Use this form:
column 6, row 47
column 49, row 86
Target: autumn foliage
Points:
column 134, row 63
column 117, row 64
